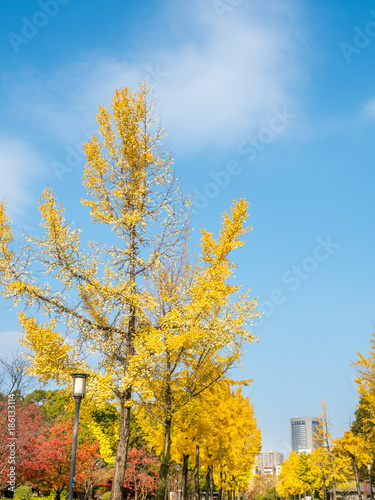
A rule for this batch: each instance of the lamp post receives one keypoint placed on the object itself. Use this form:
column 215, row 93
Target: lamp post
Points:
column 369, row 480
column 79, row 387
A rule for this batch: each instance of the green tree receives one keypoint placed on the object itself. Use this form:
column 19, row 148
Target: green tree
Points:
column 269, row 494
column 53, row 404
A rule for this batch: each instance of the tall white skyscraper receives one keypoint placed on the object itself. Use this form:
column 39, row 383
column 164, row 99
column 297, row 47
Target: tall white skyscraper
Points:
column 302, row 430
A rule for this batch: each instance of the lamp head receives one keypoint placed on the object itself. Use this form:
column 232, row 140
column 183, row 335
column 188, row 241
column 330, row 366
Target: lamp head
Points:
column 79, row 384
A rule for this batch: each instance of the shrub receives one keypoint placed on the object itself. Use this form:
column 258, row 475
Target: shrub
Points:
column 106, row 495
column 23, row 493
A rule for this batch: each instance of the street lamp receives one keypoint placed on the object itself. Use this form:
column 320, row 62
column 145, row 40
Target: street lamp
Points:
column 79, row 387
column 369, row 480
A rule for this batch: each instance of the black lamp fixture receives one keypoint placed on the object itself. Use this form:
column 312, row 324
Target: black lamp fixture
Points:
column 79, row 389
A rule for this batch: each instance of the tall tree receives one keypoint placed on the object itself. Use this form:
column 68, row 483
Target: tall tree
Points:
column 221, row 422
column 323, row 441
column 365, row 414
column 366, row 379
column 92, row 295
column 290, row 482
column 364, row 425
column 356, row 450
column 198, row 321
column 309, row 474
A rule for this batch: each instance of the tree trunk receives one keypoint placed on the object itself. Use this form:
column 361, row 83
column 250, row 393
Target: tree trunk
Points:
column 211, row 482
column 324, row 487
column 355, row 470
column 333, row 486
column 89, row 486
column 185, row 460
column 161, row 492
column 328, row 447
column 207, row 493
column 117, row 491
column 196, row 475
column 224, row 493
column 221, row 485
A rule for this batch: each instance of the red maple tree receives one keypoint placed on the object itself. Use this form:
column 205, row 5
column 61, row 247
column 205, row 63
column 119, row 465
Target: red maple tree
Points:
column 142, row 470
column 20, row 427
column 49, row 469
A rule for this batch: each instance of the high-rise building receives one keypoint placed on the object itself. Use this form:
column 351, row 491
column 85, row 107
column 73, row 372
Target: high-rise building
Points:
column 270, row 461
column 302, row 430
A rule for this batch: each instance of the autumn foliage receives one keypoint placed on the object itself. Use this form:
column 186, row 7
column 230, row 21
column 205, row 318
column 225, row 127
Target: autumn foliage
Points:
column 43, row 456
column 341, row 465
column 141, row 473
column 164, row 327
column 17, row 444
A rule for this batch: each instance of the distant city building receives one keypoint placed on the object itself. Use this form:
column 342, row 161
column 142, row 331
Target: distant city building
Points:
column 302, row 430
column 268, row 469
column 270, row 461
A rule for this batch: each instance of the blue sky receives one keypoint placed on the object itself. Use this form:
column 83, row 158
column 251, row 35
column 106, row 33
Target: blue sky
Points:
column 273, row 100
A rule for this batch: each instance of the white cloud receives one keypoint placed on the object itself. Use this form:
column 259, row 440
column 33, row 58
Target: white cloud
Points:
column 225, row 87
column 369, row 110
column 216, row 85
column 221, row 80
column 19, row 163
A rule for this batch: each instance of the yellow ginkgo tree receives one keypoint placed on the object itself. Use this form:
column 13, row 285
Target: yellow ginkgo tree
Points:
column 129, row 309
column 219, row 429
column 290, row 482
column 365, row 380
column 323, row 443
column 91, row 292
column 355, row 451
column 198, row 321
